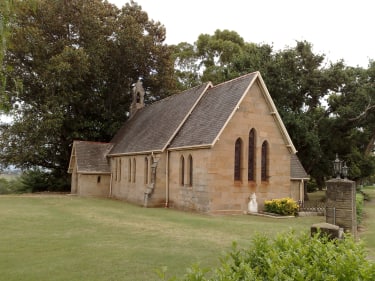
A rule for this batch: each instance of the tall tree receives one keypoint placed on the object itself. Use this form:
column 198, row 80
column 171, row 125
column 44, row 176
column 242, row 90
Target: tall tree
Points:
column 187, row 66
column 326, row 107
column 352, row 109
column 70, row 66
column 218, row 58
column 5, row 13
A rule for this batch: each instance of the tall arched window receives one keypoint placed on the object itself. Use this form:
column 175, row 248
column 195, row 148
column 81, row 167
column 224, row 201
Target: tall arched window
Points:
column 237, row 159
column 251, row 156
column 146, row 170
column 182, row 170
column 134, row 169
column 264, row 165
column 190, row 163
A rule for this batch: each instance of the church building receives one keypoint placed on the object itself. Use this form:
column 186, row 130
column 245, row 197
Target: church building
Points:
column 207, row 149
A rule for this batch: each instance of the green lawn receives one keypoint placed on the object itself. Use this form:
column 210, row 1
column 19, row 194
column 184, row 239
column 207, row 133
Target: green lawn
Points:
column 72, row 238
column 367, row 228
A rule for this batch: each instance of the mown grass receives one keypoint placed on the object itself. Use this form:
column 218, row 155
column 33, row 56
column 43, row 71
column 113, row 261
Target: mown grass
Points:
column 72, row 238
column 367, row 226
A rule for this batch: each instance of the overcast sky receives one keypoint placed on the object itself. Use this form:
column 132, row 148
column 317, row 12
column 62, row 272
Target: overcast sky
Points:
column 339, row 29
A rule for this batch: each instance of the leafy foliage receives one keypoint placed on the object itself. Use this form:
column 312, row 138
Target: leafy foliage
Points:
column 283, row 206
column 12, row 186
column 359, row 202
column 37, row 180
column 69, row 67
column 291, row 257
column 327, row 107
column 5, row 12
column 311, row 185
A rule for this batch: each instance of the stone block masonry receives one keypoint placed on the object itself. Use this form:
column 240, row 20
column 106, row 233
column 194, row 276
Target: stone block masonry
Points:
column 341, row 204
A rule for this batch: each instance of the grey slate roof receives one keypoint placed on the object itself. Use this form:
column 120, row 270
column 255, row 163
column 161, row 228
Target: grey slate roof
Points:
column 153, row 127
column 91, row 156
column 296, row 169
column 194, row 117
column 212, row 112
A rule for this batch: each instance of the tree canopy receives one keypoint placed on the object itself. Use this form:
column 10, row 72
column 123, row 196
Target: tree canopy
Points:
column 327, row 107
column 69, row 67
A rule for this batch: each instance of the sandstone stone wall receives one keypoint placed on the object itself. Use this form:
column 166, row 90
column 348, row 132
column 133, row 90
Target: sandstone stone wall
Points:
column 93, row 185
column 129, row 180
column 214, row 188
column 341, row 204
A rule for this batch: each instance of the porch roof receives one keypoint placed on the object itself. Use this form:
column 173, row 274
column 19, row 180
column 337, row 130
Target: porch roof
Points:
column 297, row 171
column 90, row 157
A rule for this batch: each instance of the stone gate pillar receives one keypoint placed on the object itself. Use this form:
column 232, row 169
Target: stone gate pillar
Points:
column 341, row 204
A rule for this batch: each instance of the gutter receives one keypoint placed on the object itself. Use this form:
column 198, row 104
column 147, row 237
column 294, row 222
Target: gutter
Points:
column 135, row 153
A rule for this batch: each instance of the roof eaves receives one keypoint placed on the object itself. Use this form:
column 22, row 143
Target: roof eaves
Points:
column 134, row 153
column 300, row 178
column 276, row 116
column 201, row 146
column 73, row 158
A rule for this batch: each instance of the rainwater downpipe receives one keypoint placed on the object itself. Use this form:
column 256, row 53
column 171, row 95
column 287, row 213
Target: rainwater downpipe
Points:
column 167, row 181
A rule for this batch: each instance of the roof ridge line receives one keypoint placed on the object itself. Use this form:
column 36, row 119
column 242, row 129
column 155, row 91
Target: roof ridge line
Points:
column 237, row 78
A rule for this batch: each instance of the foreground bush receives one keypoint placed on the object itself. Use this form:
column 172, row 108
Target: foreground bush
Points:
column 38, row 180
column 283, row 206
column 359, row 200
column 290, row 257
column 12, row 186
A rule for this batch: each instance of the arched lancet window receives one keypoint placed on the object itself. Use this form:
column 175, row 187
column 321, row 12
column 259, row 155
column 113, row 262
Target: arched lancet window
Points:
column 146, row 170
column 237, row 159
column 251, row 156
column 190, row 163
column 182, row 170
column 264, row 167
column 134, row 169
column 129, row 170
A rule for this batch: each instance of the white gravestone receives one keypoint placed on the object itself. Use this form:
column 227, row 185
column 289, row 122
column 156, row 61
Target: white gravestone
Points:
column 253, row 205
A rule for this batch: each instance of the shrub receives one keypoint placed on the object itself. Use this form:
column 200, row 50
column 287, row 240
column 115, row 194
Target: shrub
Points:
column 4, row 186
column 291, row 257
column 12, row 186
column 312, row 186
column 359, row 200
column 38, row 180
column 283, row 206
